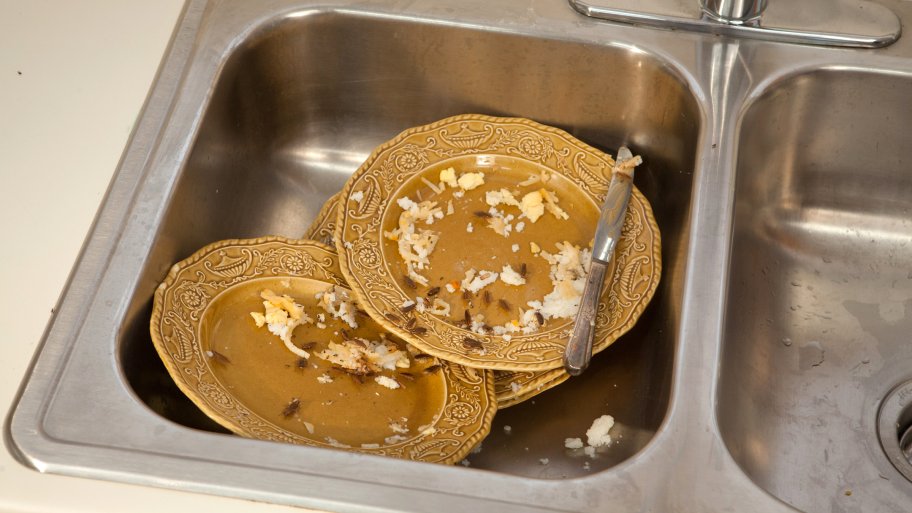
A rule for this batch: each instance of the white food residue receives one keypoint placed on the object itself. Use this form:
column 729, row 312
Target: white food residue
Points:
column 362, row 356
column 469, row 181
column 477, row 280
column 511, row 277
column 597, row 435
column 337, row 302
column 388, row 382
column 573, row 443
column 569, row 268
column 282, row 315
column 416, row 244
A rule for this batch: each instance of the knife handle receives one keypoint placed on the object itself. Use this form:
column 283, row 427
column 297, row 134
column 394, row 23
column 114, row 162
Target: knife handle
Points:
column 579, row 347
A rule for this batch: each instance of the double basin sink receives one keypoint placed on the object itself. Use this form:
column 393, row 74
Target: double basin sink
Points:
column 770, row 373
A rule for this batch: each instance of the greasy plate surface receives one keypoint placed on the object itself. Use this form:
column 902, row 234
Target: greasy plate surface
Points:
column 508, row 151
column 510, row 387
column 245, row 379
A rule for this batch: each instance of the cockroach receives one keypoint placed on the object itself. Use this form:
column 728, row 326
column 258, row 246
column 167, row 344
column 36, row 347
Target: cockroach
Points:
column 471, row 343
column 291, row 408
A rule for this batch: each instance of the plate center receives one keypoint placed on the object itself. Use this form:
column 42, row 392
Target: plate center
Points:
column 467, row 241
column 258, row 370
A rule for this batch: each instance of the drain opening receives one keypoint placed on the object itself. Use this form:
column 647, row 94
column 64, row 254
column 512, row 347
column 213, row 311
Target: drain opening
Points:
column 894, row 428
column 905, row 444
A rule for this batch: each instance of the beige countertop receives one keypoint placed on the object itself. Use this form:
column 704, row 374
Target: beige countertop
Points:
column 73, row 78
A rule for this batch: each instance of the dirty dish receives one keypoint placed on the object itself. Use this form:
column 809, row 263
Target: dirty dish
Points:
column 247, row 379
column 434, row 214
column 514, row 387
column 322, row 228
column 510, row 387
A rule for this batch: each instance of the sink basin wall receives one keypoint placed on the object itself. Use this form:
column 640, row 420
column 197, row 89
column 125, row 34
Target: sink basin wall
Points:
column 819, row 316
column 303, row 100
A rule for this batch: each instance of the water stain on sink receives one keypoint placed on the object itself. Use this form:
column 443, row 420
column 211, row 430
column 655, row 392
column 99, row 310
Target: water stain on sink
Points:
column 811, row 354
column 889, row 323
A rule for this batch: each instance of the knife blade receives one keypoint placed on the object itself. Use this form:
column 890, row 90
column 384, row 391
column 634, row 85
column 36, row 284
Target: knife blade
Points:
column 607, row 234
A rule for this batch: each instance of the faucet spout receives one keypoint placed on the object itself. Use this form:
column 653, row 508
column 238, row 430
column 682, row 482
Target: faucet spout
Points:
column 734, row 12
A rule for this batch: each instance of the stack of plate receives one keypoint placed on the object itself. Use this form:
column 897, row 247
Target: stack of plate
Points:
column 473, row 348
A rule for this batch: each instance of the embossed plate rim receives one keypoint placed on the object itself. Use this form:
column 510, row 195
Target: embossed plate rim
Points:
column 546, row 380
column 452, row 373
column 326, row 219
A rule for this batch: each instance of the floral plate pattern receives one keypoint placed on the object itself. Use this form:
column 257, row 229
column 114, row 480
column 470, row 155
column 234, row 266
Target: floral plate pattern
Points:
column 322, row 228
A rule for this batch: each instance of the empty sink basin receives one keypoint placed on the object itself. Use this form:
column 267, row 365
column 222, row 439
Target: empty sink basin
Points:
column 818, row 327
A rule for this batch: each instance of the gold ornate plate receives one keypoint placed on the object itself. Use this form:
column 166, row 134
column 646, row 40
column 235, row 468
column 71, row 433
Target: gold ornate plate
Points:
column 509, row 152
column 245, row 378
column 510, row 387
column 324, row 225
column 514, row 387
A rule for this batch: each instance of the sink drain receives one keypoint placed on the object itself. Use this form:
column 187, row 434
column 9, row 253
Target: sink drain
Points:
column 894, row 427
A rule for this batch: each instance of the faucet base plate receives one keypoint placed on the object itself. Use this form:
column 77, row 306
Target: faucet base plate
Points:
column 840, row 23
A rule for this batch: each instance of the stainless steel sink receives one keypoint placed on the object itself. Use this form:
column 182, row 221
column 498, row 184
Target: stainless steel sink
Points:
column 818, row 327
column 765, row 163
column 302, row 101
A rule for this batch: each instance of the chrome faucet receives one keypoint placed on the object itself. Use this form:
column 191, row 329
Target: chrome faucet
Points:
column 734, row 12
column 846, row 23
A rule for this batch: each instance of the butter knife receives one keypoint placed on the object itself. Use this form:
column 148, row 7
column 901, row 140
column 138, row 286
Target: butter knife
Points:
column 611, row 221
